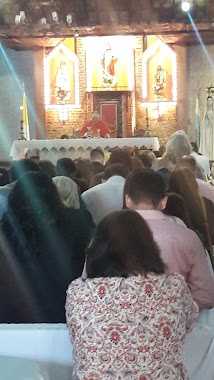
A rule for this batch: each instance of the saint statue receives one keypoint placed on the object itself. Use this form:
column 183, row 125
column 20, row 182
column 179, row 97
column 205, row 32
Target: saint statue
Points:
column 160, row 83
column 62, row 87
column 207, row 130
column 108, row 65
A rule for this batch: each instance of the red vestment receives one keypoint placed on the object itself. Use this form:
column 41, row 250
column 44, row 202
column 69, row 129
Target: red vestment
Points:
column 100, row 125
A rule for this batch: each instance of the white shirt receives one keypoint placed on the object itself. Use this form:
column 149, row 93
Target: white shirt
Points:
column 105, row 198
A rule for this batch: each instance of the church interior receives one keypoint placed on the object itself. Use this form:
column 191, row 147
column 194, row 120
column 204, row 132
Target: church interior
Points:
column 135, row 63
column 106, row 189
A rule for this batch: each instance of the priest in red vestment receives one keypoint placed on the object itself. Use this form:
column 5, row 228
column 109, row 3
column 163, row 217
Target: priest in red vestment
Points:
column 95, row 127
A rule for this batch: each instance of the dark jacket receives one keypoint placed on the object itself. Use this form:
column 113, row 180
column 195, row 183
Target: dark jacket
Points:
column 37, row 266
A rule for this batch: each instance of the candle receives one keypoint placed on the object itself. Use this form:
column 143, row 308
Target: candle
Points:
column 147, row 113
column 21, row 109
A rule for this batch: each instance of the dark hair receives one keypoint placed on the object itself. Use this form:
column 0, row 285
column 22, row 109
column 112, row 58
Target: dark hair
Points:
column 97, row 180
column 176, row 207
column 84, row 169
column 97, row 167
column 66, row 167
column 146, row 160
column 164, row 173
column 194, row 146
column 183, row 182
column 20, row 167
column 117, row 250
column 145, row 185
column 115, row 169
column 4, row 177
column 120, row 156
column 34, row 206
column 96, row 154
column 34, row 194
column 47, row 167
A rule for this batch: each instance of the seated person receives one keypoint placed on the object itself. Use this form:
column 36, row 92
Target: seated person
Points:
column 128, row 319
column 42, row 245
column 95, row 127
column 180, row 247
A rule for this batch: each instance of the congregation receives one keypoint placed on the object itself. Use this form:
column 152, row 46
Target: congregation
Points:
column 129, row 238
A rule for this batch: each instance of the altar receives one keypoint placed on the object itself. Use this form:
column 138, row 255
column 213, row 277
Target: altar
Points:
column 74, row 148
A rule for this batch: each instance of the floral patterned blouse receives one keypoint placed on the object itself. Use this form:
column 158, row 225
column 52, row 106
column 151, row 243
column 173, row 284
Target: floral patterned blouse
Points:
column 129, row 328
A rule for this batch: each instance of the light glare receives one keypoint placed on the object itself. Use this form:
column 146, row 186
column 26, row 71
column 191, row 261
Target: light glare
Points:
column 185, row 6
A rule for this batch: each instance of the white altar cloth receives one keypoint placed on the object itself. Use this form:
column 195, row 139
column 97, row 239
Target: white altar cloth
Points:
column 74, row 148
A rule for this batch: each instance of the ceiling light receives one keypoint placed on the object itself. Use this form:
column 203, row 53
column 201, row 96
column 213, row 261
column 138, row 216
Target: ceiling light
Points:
column 185, row 5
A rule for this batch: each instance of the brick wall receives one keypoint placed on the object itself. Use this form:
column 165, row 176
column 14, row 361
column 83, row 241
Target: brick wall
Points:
column 77, row 116
column 162, row 126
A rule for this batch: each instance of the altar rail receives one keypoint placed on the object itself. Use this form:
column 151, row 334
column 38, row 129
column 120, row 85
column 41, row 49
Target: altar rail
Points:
column 74, row 148
column 44, row 351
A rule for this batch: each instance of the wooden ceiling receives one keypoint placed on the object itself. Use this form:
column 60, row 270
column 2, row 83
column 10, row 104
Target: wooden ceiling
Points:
column 101, row 17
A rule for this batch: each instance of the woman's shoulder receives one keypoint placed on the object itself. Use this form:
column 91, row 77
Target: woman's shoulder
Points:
column 177, row 281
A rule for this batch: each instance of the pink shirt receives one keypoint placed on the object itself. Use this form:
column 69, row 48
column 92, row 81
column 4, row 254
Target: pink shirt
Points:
column 183, row 253
column 206, row 190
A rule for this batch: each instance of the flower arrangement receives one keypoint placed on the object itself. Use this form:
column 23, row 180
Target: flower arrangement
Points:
column 109, row 80
column 61, row 95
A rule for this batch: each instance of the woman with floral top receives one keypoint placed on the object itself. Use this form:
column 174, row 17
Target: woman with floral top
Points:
column 128, row 319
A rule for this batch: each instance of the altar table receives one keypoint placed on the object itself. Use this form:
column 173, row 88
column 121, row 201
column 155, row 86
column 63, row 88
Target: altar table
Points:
column 74, row 148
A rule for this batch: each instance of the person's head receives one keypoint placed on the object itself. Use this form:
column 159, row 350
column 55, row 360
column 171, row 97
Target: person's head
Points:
column 20, row 167
column 120, row 156
column 34, row 195
column 115, row 169
column 144, row 189
column 97, row 167
column 64, row 137
column 97, row 155
column 162, row 150
column 84, row 169
column 178, row 146
column 97, row 180
column 176, row 207
column 136, row 163
column 95, row 117
column 117, row 250
column 165, row 173
column 66, row 167
column 48, row 168
column 146, row 160
column 68, row 191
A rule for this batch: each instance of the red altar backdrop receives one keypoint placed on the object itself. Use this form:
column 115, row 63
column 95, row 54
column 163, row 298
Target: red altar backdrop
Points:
column 108, row 112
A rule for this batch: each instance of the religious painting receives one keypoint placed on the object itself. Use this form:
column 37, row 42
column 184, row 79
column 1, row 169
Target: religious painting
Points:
column 61, row 77
column 159, row 73
column 110, row 63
